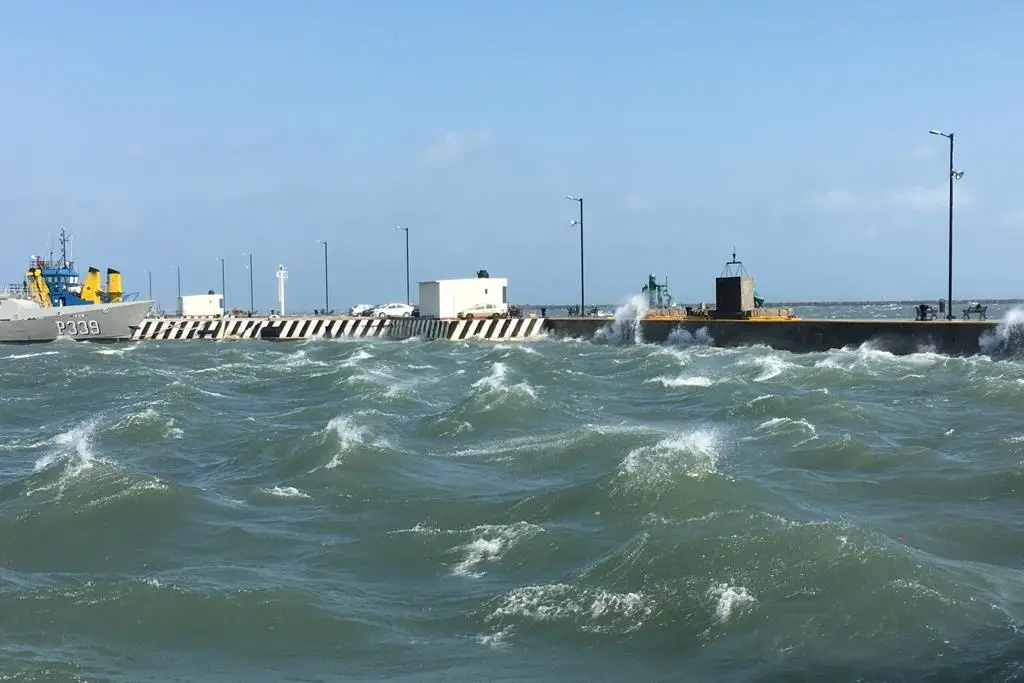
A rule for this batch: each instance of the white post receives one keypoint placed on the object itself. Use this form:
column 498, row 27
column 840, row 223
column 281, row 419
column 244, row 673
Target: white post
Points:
column 282, row 275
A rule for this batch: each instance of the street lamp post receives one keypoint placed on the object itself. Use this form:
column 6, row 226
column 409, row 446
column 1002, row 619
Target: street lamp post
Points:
column 407, row 296
column 223, row 287
column 579, row 222
column 252, row 300
column 953, row 175
column 327, row 294
column 179, row 289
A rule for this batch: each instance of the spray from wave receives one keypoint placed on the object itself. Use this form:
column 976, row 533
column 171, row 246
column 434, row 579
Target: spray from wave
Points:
column 625, row 328
column 1007, row 340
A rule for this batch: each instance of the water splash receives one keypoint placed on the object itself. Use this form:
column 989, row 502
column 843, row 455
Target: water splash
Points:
column 626, row 327
column 1007, row 340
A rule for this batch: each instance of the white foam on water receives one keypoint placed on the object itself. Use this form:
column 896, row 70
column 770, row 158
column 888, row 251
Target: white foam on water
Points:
column 591, row 610
column 489, row 544
column 683, row 337
column 1008, row 335
column 356, row 358
column 35, row 354
column 73, row 450
column 625, row 327
column 349, row 435
column 730, row 601
column 285, row 492
column 675, row 382
column 497, row 383
column 778, row 426
column 695, row 453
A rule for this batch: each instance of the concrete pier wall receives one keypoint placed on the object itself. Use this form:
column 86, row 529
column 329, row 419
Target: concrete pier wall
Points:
column 957, row 337
column 294, row 328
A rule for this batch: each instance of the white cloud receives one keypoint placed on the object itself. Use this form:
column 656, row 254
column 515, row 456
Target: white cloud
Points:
column 929, row 199
column 636, row 203
column 910, row 199
column 454, row 146
column 836, row 200
column 1012, row 220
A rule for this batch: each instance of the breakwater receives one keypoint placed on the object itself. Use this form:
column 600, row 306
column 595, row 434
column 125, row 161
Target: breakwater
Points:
column 295, row 328
column 957, row 337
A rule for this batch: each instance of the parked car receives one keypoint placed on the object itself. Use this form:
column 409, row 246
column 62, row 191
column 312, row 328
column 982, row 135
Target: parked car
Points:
column 485, row 311
column 393, row 310
column 359, row 309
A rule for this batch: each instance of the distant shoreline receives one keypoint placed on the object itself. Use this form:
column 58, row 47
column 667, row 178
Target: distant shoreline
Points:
column 888, row 302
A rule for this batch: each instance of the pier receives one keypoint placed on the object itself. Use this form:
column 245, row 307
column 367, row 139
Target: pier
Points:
column 955, row 337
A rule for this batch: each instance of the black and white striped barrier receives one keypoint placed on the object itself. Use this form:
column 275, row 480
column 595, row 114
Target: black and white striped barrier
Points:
column 290, row 329
column 298, row 328
column 499, row 329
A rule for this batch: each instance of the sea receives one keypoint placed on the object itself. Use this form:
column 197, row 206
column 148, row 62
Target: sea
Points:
column 538, row 511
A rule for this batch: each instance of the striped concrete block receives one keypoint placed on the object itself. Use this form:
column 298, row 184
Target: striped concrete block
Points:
column 158, row 329
column 327, row 328
column 427, row 328
column 500, row 329
column 311, row 327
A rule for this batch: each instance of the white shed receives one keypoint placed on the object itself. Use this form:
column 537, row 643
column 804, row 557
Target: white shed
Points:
column 445, row 298
column 201, row 305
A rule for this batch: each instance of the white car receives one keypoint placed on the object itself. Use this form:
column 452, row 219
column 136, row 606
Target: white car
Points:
column 391, row 311
column 485, row 311
column 359, row 309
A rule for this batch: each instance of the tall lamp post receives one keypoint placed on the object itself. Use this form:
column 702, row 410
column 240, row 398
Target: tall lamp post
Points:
column 252, row 304
column 953, row 175
column 179, row 289
column 223, row 293
column 327, row 294
column 407, row 297
column 579, row 222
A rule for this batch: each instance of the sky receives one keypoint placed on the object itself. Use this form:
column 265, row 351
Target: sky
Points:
column 172, row 134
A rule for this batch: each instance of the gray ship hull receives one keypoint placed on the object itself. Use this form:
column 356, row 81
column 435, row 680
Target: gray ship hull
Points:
column 91, row 322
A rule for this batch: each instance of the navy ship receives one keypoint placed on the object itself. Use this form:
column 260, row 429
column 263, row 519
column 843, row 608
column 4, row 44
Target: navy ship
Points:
column 53, row 302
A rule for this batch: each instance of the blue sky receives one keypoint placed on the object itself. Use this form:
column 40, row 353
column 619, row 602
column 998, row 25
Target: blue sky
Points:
column 165, row 133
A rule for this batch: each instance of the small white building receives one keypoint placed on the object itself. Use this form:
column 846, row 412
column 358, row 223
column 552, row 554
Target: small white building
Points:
column 204, row 305
column 445, row 298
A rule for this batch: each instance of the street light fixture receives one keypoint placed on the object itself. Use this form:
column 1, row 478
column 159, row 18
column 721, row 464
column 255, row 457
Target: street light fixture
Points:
column 407, row 297
column 327, row 294
column 953, row 175
column 579, row 222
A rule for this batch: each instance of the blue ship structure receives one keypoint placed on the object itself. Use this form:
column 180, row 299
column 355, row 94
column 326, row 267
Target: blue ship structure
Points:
column 56, row 282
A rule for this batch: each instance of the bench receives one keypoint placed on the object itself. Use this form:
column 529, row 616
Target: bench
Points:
column 975, row 308
column 925, row 312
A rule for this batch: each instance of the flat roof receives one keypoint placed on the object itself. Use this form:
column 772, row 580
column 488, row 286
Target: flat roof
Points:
column 461, row 279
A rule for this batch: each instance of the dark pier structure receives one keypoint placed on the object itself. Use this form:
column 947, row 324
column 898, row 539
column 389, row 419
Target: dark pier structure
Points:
column 740, row 318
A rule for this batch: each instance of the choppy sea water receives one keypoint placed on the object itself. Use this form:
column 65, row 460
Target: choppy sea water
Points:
column 539, row 511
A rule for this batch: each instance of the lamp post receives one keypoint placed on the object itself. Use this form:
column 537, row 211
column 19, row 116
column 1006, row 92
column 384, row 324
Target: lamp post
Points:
column 178, row 268
column 327, row 294
column 953, row 175
column 252, row 304
column 579, row 222
column 223, row 293
column 407, row 297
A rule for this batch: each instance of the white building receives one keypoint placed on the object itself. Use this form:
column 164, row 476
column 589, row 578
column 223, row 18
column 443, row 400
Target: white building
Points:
column 445, row 298
column 205, row 305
